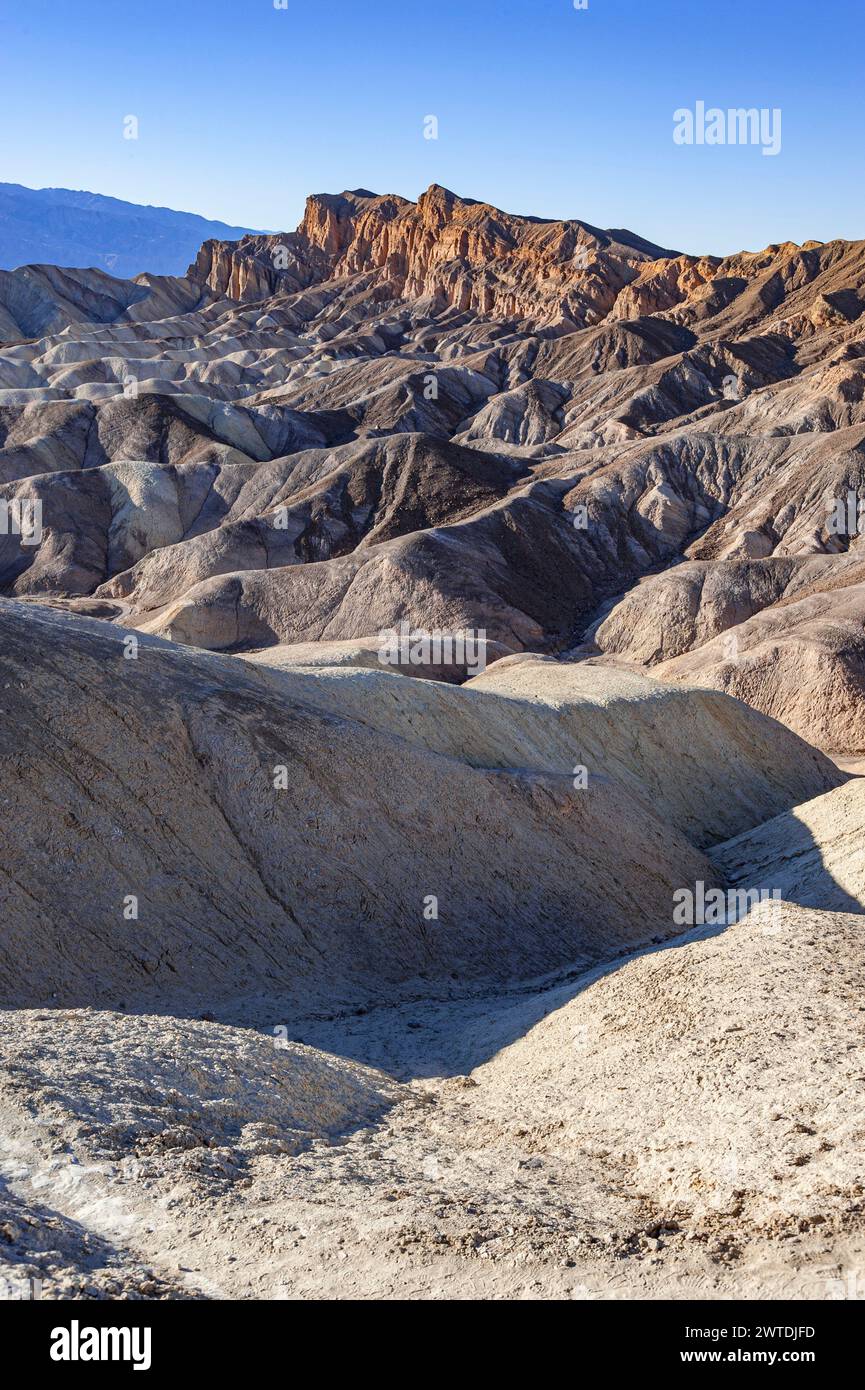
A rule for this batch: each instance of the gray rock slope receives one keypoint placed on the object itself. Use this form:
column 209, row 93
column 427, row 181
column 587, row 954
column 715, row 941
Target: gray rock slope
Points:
column 185, row 826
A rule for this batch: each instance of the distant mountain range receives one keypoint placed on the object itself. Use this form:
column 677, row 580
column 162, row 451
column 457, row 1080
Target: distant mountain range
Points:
column 59, row 226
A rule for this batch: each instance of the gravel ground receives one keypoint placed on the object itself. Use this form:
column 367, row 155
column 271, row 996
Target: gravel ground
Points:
column 687, row 1122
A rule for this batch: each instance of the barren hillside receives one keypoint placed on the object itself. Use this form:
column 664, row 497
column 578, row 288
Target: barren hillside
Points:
column 408, row 625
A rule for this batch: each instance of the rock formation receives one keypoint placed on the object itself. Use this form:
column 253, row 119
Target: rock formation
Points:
column 441, row 413
column 419, row 618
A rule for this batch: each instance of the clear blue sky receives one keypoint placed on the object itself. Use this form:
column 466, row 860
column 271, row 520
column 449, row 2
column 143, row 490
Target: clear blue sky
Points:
column 244, row 109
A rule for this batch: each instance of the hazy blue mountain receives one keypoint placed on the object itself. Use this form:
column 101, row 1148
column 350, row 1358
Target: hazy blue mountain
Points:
column 58, row 226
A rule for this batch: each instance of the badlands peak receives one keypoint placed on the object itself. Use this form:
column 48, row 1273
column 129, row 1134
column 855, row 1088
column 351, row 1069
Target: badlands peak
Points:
column 453, row 250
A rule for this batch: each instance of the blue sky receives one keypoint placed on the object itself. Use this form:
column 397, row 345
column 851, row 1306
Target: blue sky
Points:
column 243, row 109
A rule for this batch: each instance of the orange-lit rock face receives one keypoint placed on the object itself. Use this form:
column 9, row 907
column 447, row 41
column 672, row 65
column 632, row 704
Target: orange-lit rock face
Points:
column 471, row 256
column 466, row 254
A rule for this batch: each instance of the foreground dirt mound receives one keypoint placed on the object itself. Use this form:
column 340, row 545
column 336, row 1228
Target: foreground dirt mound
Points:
column 201, row 1098
column 682, row 1124
column 44, row 1254
column 717, row 1079
column 106, row 1119
column 196, row 827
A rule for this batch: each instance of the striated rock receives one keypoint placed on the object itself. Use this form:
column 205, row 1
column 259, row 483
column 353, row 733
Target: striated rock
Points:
column 120, row 825
column 466, row 254
column 439, row 413
column 801, row 660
